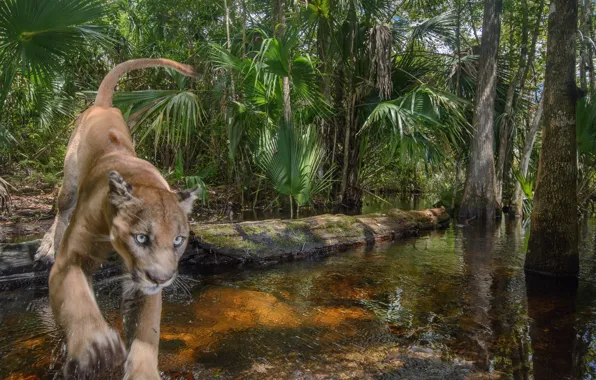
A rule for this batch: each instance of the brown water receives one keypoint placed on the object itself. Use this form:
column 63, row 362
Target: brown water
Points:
column 452, row 304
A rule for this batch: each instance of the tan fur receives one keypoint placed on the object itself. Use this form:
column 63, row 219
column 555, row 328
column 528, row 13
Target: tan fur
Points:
column 108, row 199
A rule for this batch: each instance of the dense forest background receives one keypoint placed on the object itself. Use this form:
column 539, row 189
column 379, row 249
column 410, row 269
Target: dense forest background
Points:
column 296, row 103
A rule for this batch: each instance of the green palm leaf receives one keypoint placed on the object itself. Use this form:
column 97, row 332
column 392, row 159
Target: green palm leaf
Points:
column 170, row 115
column 37, row 35
column 291, row 161
column 424, row 123
column 438, row 28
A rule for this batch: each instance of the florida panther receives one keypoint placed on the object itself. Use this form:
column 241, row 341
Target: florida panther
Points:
column 113, row 200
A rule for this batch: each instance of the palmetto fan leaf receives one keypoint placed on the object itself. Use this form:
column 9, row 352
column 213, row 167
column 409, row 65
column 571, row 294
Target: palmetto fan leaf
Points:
column 262, row 76
column 170, row 115
column 291, row 160
column 37, row 35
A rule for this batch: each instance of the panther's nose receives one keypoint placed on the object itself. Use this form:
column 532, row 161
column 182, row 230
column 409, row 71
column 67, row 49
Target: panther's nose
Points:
column 158, row 279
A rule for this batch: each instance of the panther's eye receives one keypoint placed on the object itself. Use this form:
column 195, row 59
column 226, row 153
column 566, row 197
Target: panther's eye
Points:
column 141, row 239
column 178, row 241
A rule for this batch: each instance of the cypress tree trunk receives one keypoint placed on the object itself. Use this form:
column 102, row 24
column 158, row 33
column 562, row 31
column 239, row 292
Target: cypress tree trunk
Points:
column 479, row 199
column 553, row 244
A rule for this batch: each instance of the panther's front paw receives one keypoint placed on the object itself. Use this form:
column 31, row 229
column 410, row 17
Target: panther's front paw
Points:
column 142, row 374
column 141, row 362
column 44, row 257
column 91, row 353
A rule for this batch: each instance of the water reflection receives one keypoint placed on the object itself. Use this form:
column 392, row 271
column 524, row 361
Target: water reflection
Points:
column 451, row 304
column 551, row 307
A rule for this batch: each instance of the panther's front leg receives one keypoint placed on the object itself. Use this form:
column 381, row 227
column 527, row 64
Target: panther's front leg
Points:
column 92, row 345
column 142, row 315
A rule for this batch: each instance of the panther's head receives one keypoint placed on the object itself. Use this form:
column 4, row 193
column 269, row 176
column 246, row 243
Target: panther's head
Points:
column 149, row 231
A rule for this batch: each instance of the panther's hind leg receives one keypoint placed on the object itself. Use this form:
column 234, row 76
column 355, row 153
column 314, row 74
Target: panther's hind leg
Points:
column 66, row 202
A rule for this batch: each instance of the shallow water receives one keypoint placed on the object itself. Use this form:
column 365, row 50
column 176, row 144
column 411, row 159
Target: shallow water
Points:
column 451, row 304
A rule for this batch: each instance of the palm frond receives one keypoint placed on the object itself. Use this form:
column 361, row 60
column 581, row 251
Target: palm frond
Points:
column 170, row 115
column 37, row 36
column 425, row 123
column 438, row 28
column 291, row 161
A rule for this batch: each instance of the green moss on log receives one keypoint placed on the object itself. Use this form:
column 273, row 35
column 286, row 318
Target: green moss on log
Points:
column 278, row 239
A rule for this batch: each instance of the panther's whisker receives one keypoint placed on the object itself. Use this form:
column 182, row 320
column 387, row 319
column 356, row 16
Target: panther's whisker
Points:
column 188, row 278
column 183, row 287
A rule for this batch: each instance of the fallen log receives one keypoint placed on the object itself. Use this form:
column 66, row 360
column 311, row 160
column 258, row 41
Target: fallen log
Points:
column 278, row 240
column 260, row 242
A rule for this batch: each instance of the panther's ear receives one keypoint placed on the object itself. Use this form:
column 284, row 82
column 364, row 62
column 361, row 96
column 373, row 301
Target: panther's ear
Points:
column 188, row 197
column 120, row 193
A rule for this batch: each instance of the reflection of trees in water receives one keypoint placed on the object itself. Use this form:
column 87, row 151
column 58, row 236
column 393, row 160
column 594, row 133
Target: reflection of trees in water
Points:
column 524, row 327
column 584, row 352
column 511, row 344
column 551, row 308
column 584, row 345
column 478, row 247
column 496, row 303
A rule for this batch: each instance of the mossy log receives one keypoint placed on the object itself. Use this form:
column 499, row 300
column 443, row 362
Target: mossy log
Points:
column 277, row 240
column 260, row 242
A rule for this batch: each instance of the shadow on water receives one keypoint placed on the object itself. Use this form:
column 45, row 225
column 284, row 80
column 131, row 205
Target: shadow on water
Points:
column 448, row 305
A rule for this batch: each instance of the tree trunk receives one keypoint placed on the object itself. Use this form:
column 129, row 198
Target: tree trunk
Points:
column 472, row 22
column 458, row 164
column 588, row 21
column 517, row 203
column 553, row 244
column 583, row 55
column 516, row 208
column 350, row 194
column 479, row 199
column 280, row 20
column 229, row 42
column 586, row 66
column 508, row 120
column 243, row 28
column 338, row 122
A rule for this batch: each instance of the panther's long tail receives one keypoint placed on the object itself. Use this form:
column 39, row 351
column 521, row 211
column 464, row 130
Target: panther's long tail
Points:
column 106, row 89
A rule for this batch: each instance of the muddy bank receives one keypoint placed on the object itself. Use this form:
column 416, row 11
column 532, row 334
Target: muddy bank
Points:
column 253, row 243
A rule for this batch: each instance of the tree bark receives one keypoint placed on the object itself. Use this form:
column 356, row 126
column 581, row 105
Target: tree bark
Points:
column 507, row 121
column 479, row 199
column 553, row 244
